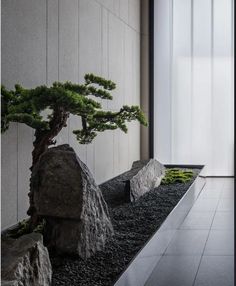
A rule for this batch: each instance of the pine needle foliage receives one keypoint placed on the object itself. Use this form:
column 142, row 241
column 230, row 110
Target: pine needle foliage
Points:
column 60, row 100
column 26, row 106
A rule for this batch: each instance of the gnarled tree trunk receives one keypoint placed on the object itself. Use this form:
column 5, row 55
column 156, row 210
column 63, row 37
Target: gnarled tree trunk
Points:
column 43, row 139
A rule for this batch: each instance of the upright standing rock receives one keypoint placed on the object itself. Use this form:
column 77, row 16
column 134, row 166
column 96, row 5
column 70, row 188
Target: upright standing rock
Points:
column 25, row 261
column 66, row 194
column 144, row 176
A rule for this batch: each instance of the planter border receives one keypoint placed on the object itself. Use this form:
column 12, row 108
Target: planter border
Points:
column 169, row 226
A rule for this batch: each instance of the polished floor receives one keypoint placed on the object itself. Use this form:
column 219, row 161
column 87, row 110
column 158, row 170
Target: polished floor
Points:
column 199, row 252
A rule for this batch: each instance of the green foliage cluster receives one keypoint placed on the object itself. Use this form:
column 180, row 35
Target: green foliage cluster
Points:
column 23, row 228
column 26, row 106
column 175, row 175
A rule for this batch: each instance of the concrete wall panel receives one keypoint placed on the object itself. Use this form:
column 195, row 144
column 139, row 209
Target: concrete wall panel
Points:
column 116, row 7
column 9, row 176
column 24, row 62
column 116, row 60
column 68, row 50
column 104, row 156
column 75, row 124
column 116, row 157
column 90, row 43
column 52, row 41
column 134, row 142
column 123, row 140
column 136, row 68
column 124, row 10
column 128, row 66
column 24, row 163
column 23, row 42
column 108, row 4
column 49, row 40
column 134, row 14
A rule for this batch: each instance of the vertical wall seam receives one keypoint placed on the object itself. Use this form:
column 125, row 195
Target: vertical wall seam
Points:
column 232, row 70
column 17, row 173
column 118, row 14
column 129, row 12
column 108, row 74
column 212, row 73
column 101, row 67
column 155, row 95
column 191, row 83
column 139, row 82
column 78, row 43
column 113, row 166
column 46, row 42
column 151, row 57
column 232, row 44
column 102, row 52
column 108, row 46
column 232, row 25
column 124, row 84
column 171, row 40
column 101, row 71
column 58, row 40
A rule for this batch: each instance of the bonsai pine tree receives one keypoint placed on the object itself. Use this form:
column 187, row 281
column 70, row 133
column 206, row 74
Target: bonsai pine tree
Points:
column 62, row 99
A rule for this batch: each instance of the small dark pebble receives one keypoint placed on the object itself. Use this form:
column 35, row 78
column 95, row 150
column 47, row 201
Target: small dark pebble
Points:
column 134, row 224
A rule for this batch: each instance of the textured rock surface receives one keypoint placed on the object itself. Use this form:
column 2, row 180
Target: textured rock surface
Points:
column 134, row 224
column 25, row 261
column 67, row 195
column 144, row 176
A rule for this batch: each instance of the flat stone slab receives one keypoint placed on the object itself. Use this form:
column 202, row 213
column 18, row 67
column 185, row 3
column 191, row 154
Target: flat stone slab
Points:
column 141, row 171
column 25, row 261
column 144, row 176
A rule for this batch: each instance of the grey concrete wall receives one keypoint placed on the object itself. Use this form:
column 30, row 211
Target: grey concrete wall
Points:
column 48, row 40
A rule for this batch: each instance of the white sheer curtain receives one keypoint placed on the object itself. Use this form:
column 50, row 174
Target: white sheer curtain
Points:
column 193, row 83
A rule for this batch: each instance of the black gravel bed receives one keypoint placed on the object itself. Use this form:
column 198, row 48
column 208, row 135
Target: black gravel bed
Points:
column 134, row 224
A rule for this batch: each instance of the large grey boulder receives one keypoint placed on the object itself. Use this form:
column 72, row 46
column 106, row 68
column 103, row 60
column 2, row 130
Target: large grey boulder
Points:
column 145, row 175
column 25, row 261
column 66, row 194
